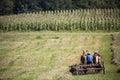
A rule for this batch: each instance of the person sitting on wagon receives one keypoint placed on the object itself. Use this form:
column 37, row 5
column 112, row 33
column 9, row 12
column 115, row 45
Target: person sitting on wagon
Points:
column 98, row 54
column 89, row 58
column 83, row 57
column 97, row 58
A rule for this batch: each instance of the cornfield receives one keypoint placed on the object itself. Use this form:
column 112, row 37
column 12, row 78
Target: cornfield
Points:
column 72, row 20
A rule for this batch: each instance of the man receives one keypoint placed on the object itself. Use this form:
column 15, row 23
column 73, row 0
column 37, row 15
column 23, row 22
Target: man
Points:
column 95, row 58
column 89, row 58
column 83, row 57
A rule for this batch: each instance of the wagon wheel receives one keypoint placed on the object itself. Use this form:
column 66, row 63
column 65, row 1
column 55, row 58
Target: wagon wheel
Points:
column 97, row 71
column 103, row 68
column 82, row 72
column 75, row 72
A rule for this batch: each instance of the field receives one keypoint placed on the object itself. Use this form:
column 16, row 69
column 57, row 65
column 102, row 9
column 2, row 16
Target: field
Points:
column 63, row 20
column 46, row 55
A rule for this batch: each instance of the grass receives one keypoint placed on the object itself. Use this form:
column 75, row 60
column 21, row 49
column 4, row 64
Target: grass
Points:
column 47, row 55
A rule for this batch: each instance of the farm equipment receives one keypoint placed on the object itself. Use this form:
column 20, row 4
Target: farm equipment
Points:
column 79, row 69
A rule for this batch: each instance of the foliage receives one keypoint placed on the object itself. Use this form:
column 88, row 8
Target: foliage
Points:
column 23, row 6
column 6, row 7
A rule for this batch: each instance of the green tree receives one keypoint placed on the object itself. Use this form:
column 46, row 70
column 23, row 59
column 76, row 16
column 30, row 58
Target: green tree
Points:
column 6, row 7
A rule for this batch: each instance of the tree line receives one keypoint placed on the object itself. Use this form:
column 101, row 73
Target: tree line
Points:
column 23, row 6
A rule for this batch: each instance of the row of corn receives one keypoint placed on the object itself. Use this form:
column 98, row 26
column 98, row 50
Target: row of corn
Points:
column 62, row 20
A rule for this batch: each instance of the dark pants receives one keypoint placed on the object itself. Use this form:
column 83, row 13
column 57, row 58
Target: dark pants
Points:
column 89, row 62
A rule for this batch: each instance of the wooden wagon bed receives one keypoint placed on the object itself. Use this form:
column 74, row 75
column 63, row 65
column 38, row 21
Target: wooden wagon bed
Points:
column 77, row 69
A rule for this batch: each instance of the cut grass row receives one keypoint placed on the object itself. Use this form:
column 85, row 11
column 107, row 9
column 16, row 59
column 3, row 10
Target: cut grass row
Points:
column 116, row 50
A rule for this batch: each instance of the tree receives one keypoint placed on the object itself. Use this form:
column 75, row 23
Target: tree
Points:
column 6, row 7
column 22, row 6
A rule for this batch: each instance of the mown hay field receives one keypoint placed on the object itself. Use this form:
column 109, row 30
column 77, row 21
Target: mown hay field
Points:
column 48, row 55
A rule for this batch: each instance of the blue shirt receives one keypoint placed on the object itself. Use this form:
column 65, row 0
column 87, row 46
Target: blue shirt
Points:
column 89, row 58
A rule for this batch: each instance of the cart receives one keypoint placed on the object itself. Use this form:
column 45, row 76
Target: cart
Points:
column 78, row 69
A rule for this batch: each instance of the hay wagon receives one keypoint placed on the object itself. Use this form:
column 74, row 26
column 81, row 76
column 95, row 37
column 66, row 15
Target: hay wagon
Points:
column 78, row 69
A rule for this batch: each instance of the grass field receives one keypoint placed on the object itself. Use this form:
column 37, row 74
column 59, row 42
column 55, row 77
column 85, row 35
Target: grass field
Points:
column 47, row 55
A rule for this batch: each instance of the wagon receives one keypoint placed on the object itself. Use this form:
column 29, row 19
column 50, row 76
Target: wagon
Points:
column 78, row 69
